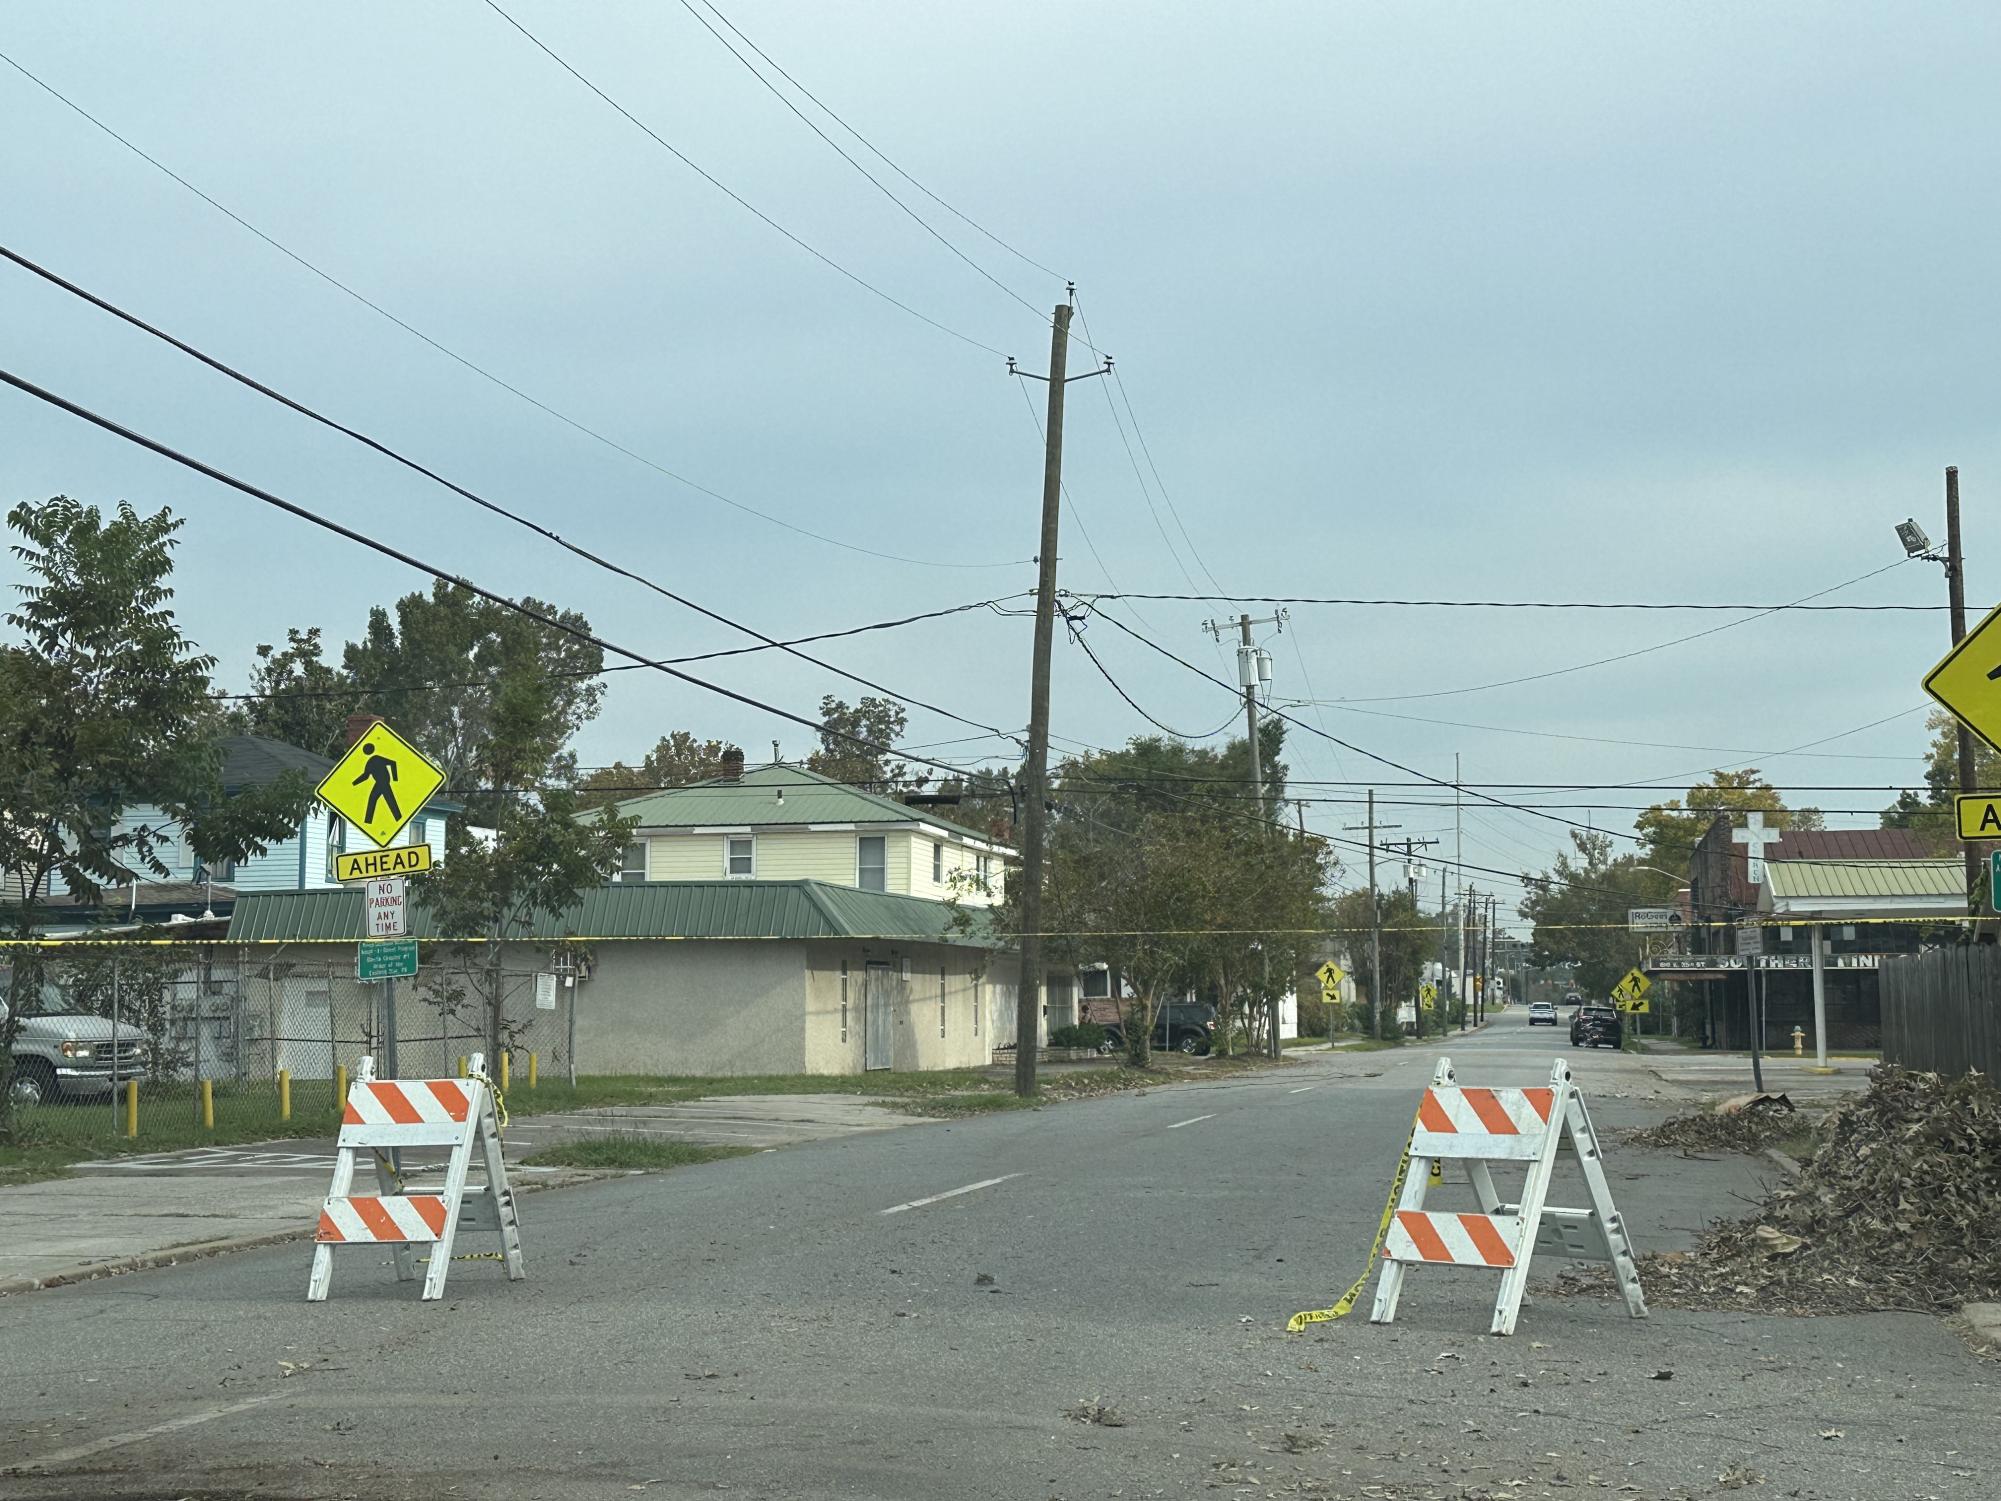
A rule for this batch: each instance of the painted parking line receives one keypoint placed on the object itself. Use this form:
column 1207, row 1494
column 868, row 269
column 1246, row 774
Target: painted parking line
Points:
column 950, row 1193
column 1302, row 1089
column 1192, row 1120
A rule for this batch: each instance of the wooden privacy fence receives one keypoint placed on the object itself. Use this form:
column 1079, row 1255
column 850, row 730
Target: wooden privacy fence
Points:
column 1942, row 1010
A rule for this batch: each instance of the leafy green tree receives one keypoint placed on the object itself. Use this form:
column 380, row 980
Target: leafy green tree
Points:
column 1668, row 831
column 1930, row 816
column 1579, row 910
column 1409, row 941
column 105, row 706
column 494, row 676
column 676, row 760
column 301, row 698
column 849, row 734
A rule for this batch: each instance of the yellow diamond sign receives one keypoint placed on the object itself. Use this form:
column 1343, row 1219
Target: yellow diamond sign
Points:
column 1968, row 681
column 380, row 784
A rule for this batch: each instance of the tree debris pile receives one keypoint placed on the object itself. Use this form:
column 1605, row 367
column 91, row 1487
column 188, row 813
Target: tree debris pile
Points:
column 1757, row 1124
column 1899, row 1208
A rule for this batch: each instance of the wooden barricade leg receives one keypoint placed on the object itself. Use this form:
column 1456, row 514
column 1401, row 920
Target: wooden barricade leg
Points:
column 1389, row 1285
column 1584, row 1140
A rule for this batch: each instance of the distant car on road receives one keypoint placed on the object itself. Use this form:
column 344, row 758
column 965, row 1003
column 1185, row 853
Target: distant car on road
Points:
column 1595, row 1025
column 1573, row 999
column 1542, row 1011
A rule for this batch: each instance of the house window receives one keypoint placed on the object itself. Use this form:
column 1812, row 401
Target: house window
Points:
column 872, row 862
column 844, row 1000
column 941, row 1000
column 983, row 868
column 633, row 866
column 937, row 862
column 739, row 856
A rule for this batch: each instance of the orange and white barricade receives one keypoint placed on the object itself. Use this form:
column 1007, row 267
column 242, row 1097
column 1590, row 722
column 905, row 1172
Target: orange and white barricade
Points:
column 381, row 1115
column 1483, row 1127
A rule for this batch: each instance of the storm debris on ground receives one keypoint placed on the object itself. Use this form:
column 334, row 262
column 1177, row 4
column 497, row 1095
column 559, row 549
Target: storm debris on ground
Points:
column 1898, row 1208
column 1764, row 1122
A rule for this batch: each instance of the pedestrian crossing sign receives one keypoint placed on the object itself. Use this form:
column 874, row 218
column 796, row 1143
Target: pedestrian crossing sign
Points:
column 1428, row 994
column 1331, row 975
column 380, row 784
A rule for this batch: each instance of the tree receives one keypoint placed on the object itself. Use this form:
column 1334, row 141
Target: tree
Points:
column 1930, row 817
column 676, row 760
column 1669, row 831
column 301, row 698
column 491, row 675
column 850, row 735
column 1579, row 910
column 1408, row 942
column 105, row 706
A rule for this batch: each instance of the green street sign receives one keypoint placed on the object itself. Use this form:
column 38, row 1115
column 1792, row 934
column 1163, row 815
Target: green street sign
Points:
column 386, row 959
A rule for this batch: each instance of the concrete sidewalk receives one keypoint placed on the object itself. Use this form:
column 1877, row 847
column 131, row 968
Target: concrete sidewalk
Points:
column 124, row 1213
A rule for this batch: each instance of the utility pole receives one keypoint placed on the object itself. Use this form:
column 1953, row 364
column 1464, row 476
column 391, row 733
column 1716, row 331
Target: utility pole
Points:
column 1253, row 672
column 1465, row 891
column 1035, row 774
column 1955, row 578
column 1412, row 871
column 1444, row 955
column 1375, row 927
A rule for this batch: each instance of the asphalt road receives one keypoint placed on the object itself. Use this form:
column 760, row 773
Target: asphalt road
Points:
column 943, row 1311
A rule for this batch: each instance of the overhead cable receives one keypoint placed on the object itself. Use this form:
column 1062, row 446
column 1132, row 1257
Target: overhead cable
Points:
column 481, row 371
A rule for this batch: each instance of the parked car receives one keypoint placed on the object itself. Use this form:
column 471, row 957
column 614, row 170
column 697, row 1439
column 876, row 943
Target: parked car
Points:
column 1573, row 999
column 1542, row 1011
column 1185, row 1028
column 1596, row 1024
column 69, row 1055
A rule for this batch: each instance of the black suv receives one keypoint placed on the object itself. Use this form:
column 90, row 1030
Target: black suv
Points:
column 1596, row 1024
column 1184, row 1028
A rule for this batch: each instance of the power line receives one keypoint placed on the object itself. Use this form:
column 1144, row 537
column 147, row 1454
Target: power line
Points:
column 477, row 499
column 1799, row 606
column 836, row 118
column 477, row 369
column 737, row 198
column 1499, row 729
column 841, row 151
column 187, row 461
column 705, row 656
column 1077, row 637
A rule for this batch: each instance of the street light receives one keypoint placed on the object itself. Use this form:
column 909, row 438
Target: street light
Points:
column 1916, row 543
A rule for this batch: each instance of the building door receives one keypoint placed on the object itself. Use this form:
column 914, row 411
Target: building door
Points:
column 878, row 1018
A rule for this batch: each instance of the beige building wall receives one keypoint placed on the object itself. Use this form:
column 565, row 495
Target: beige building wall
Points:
column 835, row 1037
column 830, row 855
column 693, row 1007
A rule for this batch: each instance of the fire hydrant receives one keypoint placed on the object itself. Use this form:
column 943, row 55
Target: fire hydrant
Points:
column 1799, row 1042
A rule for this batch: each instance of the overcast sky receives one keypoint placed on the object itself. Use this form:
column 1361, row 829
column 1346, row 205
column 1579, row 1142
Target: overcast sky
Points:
column 1586, row 302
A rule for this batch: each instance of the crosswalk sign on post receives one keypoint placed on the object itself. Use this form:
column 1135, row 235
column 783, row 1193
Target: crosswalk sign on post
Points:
column 380, row 784
column 1331, row 975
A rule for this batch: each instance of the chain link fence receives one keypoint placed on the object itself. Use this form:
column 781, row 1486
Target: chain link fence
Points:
column 215, row 1041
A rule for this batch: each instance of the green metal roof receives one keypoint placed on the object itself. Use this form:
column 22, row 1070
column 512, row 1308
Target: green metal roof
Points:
column 1810, row 880
column 807, row 797
column 636, row 910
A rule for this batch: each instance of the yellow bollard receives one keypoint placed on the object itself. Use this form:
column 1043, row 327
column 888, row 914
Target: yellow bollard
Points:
column 531, row 1070
column 284, row 1094
column 504, row 1056
column 462, row 1065
column 208, row 1105
column 340, row 1086
column 132, row 1107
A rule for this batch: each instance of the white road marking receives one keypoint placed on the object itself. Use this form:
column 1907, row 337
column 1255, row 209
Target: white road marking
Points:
column 120, row 1440
column 1302, row 1089
column 950, row 1193
column 1191, row 1121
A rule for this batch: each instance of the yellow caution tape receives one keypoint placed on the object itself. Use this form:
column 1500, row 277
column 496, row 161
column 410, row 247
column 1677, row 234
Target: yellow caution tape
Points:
column 1346, row 1302
column 499, row 1099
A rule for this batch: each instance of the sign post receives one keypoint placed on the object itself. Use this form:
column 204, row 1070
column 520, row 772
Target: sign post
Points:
column 1330, row 976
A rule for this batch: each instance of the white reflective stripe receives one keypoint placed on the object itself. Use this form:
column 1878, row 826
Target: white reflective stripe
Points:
column 1460, row 1248
column 433, row 1110
column 407, row 1219
column 346, row 1221
column 1521, row 1114
column 418, row 1093
column 402, row 1213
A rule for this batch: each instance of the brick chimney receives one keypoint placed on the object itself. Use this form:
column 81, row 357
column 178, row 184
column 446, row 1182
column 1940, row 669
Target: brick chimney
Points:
column 733, row 765
column 357, row 726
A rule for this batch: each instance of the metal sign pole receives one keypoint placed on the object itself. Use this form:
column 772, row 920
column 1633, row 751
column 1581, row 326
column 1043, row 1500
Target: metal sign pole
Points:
column 389, row 1030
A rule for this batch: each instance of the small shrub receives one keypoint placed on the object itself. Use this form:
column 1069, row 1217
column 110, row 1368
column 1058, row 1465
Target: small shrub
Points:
column 1077, row 1035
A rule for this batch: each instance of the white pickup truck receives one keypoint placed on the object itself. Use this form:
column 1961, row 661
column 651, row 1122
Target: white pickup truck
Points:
column 68, row 1054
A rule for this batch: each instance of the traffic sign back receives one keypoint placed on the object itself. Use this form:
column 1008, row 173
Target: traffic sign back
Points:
column 1967, row 681
column 380, row 784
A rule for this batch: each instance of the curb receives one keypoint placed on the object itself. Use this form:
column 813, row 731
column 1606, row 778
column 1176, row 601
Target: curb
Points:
column 1784, row 1160
column 201, row 1250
